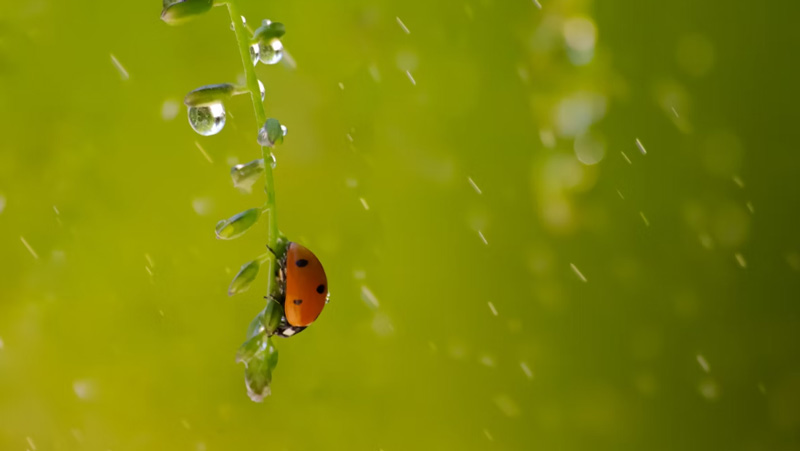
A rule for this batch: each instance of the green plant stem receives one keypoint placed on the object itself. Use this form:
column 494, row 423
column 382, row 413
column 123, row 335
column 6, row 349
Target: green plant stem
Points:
column 243, row 39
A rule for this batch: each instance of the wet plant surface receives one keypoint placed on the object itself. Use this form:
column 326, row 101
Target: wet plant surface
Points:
column 568, row 227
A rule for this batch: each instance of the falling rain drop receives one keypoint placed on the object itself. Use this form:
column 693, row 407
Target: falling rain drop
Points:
column 207, row 120
column 271, row 52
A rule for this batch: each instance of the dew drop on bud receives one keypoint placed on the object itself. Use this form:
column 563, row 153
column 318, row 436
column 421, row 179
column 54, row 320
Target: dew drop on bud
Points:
column 207, row 120
column 284, row 130
column 262, row 90
column 271, row 52
column 271, row 133
column 255, row 51
column 272, row 161
column 245, row 175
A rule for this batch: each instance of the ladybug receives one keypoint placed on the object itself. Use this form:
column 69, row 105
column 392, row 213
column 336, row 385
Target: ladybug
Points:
column 303, row 287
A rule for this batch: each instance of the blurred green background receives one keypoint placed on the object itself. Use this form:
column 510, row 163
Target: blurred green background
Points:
column 643, row 305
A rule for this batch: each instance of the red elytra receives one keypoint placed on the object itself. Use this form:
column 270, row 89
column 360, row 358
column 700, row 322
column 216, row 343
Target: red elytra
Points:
column 306, row 290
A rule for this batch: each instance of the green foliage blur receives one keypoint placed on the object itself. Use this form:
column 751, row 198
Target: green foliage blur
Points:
column 569, row 300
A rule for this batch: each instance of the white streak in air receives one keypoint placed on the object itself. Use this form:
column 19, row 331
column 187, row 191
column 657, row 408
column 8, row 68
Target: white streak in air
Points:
column 122, row 72
column 507, row 405
column 620, row 195
column 750, row 207
column 2, row 203
column 30, row 443
column 738, row 181
column 203, row 151
column 703, row 363
column 341, row 86
column 369, row 297
column 30, row 249
column 55, row 209
column 483, row 238
column 410, row 77
column 526, row 370
column 492, row 308
column 640, row 147
column 288, row 60
column 675, row 112
column 364, row 203
column 538, row 5
column 149, row 271
column 578, row 272
column 488, row 435
column 644, row 218
column 402, row 25
column 472, row 182
column 375, row 73
column 740, row 259
column 2, row 344
column 626, row 158
column 487, row 360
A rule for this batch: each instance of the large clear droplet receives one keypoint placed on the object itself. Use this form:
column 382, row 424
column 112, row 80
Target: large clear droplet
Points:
column 271, row 52
column 255, row 50
column 245, row 175
column 263, row 92
column 273, row 162
column 207, row 120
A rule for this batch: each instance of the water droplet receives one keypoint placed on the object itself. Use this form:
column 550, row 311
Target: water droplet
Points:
column 271, row 133
column 577, row 272
column 507, row 405
column 202, row 205
column 273, row 161
column 245, row 175
column 263, row 92
column 526, row 369
column 84, row 389
column 271, row 52
column 703, row 363
column 368, row 297
column 123, row 73
column 255, row 50
column 207, row 120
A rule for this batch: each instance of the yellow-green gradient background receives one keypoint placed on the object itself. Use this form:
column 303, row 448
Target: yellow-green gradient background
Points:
column 99, row 354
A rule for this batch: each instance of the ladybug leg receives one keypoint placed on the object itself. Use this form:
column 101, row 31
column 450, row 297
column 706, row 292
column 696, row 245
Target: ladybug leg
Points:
column 272, row 251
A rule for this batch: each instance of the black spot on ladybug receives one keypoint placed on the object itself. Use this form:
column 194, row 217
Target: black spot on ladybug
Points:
column 298, row 301
column 301, row 263
column 321, row 289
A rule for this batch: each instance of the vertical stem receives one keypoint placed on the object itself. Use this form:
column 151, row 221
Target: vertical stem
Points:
column 243, row 39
